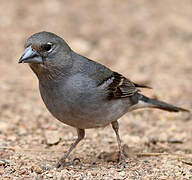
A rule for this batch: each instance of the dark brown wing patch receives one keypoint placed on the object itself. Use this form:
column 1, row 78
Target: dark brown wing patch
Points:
column 120, row 87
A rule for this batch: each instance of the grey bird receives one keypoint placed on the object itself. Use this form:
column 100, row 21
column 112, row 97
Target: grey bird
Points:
column 80, row 92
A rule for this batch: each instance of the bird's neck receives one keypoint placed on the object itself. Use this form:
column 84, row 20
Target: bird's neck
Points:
column 46, row 74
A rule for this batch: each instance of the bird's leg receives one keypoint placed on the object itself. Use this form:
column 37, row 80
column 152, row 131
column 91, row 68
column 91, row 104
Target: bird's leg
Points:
column 115, row 126
column 81, row 135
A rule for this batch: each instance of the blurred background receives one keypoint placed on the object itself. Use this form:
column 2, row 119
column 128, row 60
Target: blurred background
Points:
column 147, row 41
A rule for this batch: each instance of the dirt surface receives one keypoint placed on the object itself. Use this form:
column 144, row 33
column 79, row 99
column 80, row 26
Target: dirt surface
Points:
column 147, row 41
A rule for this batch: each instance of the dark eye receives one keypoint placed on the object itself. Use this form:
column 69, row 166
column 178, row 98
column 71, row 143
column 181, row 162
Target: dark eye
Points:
column 47, row 47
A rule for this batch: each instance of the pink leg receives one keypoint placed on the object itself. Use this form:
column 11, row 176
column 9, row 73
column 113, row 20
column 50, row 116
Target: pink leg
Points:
column 115, row 126
column 81, row 135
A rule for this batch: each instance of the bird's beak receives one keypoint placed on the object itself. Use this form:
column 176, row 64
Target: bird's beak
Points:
column 30, row 56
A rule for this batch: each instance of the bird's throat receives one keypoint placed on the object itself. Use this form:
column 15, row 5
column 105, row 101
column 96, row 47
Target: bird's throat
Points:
column 45, row 73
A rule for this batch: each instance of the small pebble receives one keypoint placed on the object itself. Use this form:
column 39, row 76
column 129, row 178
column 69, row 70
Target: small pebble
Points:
column 52, row 137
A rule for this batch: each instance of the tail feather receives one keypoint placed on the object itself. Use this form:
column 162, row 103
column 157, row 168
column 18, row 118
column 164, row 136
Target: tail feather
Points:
column 142, row 86
column 153, row 103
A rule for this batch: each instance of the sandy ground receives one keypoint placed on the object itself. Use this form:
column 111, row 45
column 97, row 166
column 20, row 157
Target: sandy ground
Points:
column 147, row 41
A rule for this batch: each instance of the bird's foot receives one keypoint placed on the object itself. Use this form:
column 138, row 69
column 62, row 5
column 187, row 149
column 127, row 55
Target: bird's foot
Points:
column 122, row 161
column 63, row 163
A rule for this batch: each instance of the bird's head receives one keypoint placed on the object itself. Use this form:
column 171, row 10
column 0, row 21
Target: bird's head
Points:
column 45, row 51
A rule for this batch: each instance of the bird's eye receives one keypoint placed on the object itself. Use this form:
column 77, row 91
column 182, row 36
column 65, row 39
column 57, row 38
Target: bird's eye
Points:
column 47, row 47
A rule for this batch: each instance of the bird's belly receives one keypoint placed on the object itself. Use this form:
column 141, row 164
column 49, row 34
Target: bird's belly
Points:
column 99, row 115
column 84, row 112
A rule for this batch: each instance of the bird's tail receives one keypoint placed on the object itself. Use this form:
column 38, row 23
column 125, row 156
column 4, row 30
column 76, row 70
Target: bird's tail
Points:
column 144, row 101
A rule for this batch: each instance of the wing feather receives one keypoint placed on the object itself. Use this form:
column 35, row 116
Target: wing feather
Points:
column 120, row 87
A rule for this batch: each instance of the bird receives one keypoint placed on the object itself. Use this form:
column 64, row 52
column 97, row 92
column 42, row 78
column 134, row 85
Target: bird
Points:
column 80, row 92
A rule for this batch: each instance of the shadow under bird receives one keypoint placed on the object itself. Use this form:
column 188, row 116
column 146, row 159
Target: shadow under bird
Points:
column 80, row 92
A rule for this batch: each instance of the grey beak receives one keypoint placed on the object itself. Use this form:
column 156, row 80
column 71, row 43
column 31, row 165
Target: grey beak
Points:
column 30, row 56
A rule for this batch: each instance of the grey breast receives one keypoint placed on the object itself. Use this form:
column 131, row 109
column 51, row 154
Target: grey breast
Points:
column 79, row 103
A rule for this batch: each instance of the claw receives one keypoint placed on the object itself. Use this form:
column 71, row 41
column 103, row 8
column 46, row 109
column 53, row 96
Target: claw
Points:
column 122, row 161
column 76, row 161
